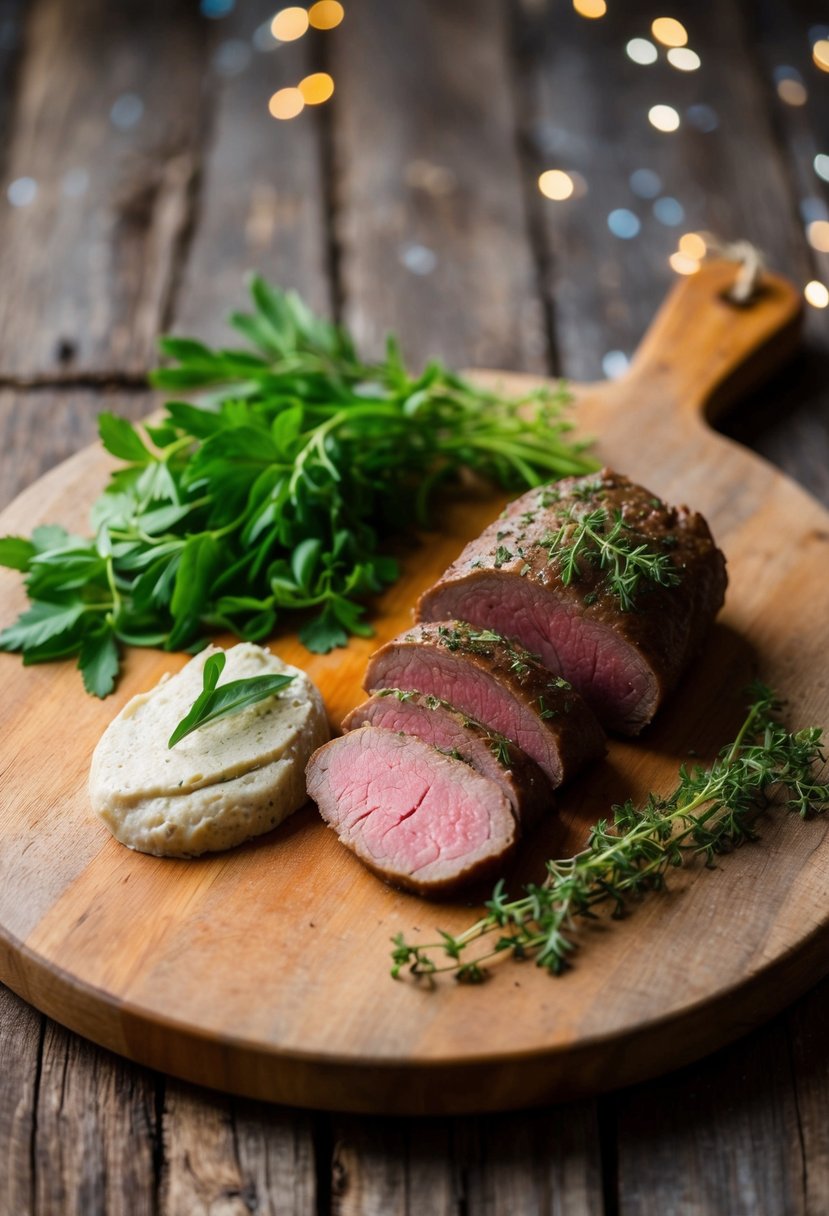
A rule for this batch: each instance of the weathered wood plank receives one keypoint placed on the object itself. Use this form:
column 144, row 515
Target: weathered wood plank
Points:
column 720, row 1136
column 544, row 1163
column 95, row 1135
column 39, row 429
column 263, row 192
column 585, row 108
column 108, row 123
column 539, row 1163
column 224, row 1157
column 806, row 1027
column 11, row 44
column 20, row 1040
column 432, row 231
column 394, row 1167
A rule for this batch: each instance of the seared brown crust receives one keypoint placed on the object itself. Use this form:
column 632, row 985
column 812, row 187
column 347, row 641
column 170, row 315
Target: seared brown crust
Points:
column 561, row 714
column 667, row 623
column 489, row 753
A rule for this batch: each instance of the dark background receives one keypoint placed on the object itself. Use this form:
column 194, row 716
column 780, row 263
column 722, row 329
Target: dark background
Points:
column 142, row 174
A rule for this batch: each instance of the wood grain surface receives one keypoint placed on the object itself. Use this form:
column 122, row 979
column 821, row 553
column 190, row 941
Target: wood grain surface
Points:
column 264, row 971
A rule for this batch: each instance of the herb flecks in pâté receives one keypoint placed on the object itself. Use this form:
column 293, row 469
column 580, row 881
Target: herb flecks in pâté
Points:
column 711, row 811
column 271, row 497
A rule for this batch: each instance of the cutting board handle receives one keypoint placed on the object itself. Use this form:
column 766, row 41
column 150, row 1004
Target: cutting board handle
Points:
column 702, row 351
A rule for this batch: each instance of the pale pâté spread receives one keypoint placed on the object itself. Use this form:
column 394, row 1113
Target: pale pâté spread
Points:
column 228, row 781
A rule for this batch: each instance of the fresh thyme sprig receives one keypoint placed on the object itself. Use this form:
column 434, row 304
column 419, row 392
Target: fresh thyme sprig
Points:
column 604, row 540
column 711, row 811
column 275, row 495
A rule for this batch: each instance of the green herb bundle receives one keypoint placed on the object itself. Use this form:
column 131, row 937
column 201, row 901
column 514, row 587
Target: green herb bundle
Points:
column 711, row 811
column 273, row 495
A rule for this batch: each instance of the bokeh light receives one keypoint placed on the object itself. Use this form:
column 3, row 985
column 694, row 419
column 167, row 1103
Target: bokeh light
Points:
column 286, row 103
column 326, row 14
column 669, row 31
column 556, row 184
column 614, row 364
column 821, row 166
column 418, row 259
column 127, row 111
column 683, row 264
column 817, row 294
column 703, row 117
column 692, row 245
column 624, row 224
column 664, row 118
column 641, row 50
column 817, row 234
column 316, row 88
column 290, row 24
column 793, row 92
column 683, row 58
column 645, row 183
column 820, row 54
column 22, row 191
column 669, row 211
column 590, row 8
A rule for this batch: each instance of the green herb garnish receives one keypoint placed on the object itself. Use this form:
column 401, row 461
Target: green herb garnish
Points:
column 272, row 496
column 710, row 812
column 604, row 540
column 214, row 702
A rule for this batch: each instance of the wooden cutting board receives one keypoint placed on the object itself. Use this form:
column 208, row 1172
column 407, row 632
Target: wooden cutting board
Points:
column 265, row 971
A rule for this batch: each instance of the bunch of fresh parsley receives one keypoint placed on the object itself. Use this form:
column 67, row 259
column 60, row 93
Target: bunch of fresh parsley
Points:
column 270, row 497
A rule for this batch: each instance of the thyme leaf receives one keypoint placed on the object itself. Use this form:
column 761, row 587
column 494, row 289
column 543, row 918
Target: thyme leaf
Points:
column 710, row 812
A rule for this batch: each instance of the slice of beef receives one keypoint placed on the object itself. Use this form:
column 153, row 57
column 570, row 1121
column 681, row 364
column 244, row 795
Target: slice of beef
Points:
column 498, row 683
column 454, row 733
column 422, row 820
column 623, row 658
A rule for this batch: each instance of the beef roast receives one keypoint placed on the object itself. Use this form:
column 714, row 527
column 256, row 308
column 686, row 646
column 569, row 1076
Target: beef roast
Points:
column 496, row 682
column 419, row 818
column 622, row 657
column 452, row 732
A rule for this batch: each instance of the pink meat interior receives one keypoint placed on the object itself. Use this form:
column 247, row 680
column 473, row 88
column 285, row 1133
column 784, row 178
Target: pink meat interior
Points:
column 605, row 669
column 450, row 676
column 411, row 812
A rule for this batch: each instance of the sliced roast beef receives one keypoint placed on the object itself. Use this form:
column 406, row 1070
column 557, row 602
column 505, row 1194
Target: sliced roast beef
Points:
column 422, row 820
column 619, row 625
column 498, row 683
column 454, row 733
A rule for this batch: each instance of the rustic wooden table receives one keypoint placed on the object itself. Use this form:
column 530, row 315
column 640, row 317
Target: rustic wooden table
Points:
column 144, row 175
